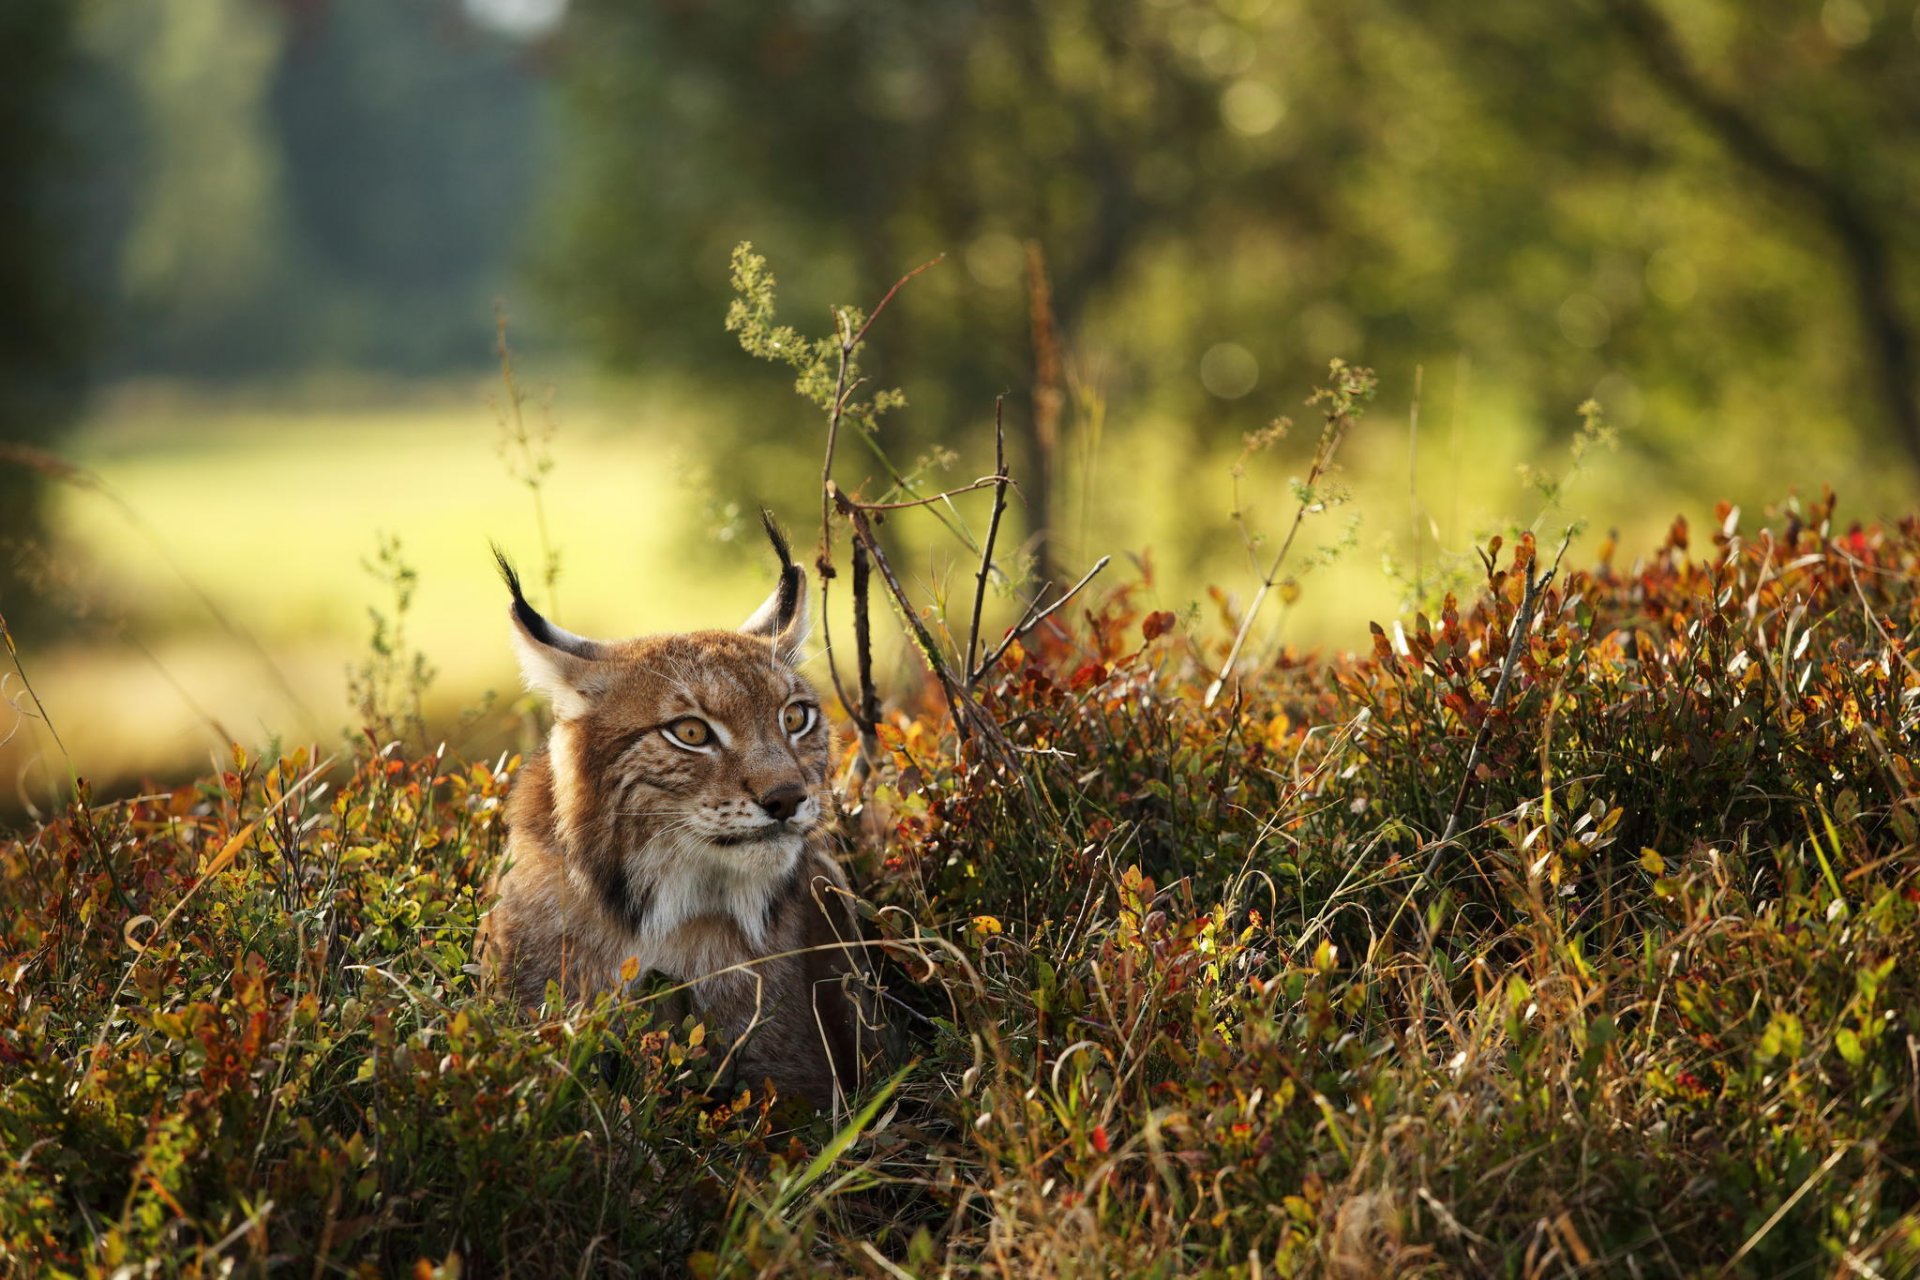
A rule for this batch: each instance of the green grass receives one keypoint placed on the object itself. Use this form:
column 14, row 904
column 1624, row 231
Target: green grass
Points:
column 1177, row 998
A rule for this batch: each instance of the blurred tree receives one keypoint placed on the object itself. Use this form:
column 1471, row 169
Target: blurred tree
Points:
column 1703, row 217
column 320, row 184
column 409, row 140
column 44, row 321
column 205, row 276
column 1835, row 173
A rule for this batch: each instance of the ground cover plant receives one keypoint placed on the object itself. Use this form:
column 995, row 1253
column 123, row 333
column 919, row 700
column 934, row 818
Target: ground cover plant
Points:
column 1564, row 932
column 1179, row 1001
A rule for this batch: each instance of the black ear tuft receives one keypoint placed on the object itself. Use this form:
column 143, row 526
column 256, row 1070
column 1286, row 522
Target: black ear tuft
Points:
column 507, row 573
column 777, row 538
column 792, row 579
column 536, row 626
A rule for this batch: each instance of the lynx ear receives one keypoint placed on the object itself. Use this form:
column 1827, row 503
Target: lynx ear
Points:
column 784, row 619
column 553, row 661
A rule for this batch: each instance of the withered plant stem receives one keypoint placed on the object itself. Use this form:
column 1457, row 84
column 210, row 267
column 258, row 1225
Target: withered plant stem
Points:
column 1336, row 430
column 993, row 530
column 844, row 386
column 866, row 716
column 863, row 535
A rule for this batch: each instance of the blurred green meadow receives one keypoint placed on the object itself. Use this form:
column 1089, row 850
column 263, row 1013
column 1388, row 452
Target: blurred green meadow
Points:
column 221, row 559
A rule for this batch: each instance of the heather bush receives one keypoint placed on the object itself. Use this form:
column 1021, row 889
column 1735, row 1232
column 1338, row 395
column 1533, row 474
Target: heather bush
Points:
column 1177, row 996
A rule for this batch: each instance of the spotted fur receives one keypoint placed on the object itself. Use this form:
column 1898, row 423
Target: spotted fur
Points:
column 698, row 853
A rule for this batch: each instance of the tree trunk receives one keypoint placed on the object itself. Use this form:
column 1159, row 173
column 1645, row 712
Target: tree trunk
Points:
column 1886, row 329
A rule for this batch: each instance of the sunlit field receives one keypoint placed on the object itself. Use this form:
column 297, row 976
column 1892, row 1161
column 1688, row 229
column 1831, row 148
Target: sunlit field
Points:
column 221, row 568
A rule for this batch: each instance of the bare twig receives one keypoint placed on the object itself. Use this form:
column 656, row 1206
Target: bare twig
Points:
column 833, row 667
column 844, row 386
column 993, row 529
column 1031, row 619
column 930, row 263
column 1351, row 386
column 823, row 561
column 984, row 482
column 866, row 716
column 923, row 640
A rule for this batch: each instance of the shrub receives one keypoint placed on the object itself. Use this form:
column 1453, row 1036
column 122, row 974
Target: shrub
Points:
column 1180, row 997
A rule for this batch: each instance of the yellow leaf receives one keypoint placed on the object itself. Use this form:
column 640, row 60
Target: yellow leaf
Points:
column 226, row 854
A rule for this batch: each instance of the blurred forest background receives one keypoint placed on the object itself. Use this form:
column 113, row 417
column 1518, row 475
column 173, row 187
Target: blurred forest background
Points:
column 253, row 254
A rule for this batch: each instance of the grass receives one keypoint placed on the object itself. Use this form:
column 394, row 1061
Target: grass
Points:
column 1177, row 997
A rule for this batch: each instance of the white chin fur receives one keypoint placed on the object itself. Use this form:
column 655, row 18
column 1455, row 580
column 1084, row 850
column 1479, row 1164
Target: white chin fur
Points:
column 696, row 877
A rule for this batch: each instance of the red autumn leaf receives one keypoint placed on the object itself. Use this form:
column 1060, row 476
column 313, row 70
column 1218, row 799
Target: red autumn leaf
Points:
column 1091, row 674
column 1156, row 625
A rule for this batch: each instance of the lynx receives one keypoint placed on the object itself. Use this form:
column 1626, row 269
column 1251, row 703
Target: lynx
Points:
column 674, row 822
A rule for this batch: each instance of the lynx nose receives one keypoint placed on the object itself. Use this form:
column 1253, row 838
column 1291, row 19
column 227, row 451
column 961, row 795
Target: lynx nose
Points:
column 783, row 801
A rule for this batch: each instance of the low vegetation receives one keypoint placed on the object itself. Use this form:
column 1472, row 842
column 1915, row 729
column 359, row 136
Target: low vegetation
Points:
column 1559, row 934
column 1177, row 992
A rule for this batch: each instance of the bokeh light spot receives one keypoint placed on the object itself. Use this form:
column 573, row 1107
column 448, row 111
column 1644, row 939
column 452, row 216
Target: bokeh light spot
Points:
column 1229, row 371
column 521, row 19
column 1251, row 108
column 1585, row 321
column 996, row 259
column 1846, row 22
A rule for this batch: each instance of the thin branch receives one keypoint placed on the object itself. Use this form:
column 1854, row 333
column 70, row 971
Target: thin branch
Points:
column 993, row 529
column 823, row 561
column 867, row 715
column 934, row 261
column 863, row 534
column 13, row 654
column 1031, row 620
column 1322, row 461
column 843, row 388
column 982, row 483
column 833, row 667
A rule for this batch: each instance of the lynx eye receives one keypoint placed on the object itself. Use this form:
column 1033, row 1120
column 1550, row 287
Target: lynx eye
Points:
column 797, row 718
column 689, row 731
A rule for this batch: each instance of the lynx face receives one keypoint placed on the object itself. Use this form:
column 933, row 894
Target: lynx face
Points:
column 689, row 776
